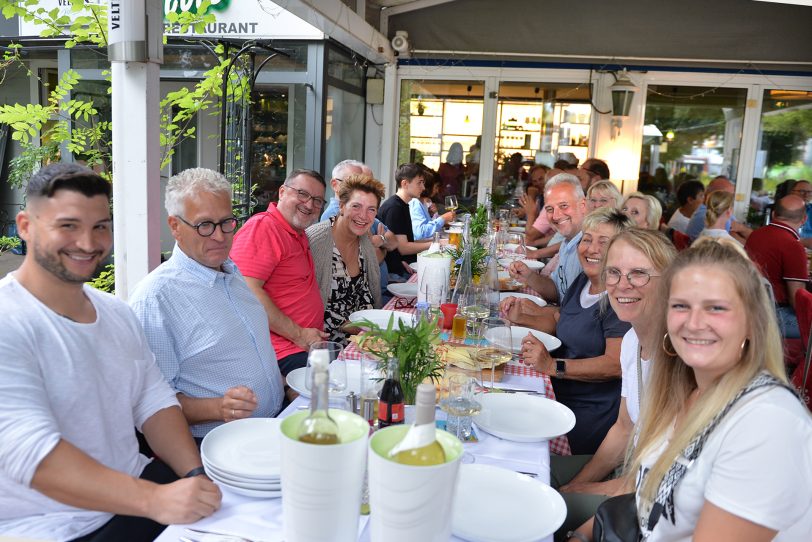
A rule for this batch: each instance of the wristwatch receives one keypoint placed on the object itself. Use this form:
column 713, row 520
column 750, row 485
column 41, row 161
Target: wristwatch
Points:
column 560, row 367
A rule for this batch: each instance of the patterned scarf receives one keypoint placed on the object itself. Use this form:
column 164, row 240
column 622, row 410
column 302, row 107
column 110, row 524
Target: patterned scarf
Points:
column 663, row 504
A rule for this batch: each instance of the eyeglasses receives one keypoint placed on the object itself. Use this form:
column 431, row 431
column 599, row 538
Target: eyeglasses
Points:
column 802, row 192
column 402, row 303
column 304, row 196
column 636, row 277
column 207, row 227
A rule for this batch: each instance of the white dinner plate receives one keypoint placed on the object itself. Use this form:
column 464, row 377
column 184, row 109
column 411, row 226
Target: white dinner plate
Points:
column 456, row 224
column 535, row 265
column 527, row 510
column 244, row 484
column 381, row 317
column 516, row 229
column 523, row 418
column 296, row 380
column 406, row 290
column 522, row 222
column 534, row 298
column 252, row 492
column 245, row 448
column 517, row 333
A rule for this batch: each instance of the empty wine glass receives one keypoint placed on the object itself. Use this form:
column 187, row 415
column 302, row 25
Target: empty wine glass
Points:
column 327, row 352
column 460, row 407
column 496, row 346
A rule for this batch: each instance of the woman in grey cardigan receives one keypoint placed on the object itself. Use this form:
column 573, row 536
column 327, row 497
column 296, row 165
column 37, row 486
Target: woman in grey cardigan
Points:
column 345, row 260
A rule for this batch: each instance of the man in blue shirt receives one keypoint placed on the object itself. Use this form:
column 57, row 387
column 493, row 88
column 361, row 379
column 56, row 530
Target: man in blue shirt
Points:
column 565, row 205
column 208, row 331
column 803, row 189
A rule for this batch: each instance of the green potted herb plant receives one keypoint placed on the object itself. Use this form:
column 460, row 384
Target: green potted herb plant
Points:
column 414, row 346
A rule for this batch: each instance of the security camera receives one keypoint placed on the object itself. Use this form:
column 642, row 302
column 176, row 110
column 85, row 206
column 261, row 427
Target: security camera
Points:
column 400, row 43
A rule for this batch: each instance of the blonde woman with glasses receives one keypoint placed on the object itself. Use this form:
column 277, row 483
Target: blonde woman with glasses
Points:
column 603, row 194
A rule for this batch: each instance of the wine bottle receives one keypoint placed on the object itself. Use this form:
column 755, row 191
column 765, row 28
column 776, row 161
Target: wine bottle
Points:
column 390, row 404
column 420, row 446
column 319, row 427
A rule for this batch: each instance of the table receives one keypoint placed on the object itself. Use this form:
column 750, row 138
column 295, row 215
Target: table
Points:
column 261, row 519
column 517, row 375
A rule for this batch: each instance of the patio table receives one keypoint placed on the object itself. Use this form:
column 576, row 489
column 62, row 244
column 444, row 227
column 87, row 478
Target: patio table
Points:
column 261, row 519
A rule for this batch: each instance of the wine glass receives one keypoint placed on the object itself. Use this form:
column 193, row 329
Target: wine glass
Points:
column 474, row 306
column 451, row 203
column 496, row 346
column 518, row 253
column 327, row 352
column 460, row 407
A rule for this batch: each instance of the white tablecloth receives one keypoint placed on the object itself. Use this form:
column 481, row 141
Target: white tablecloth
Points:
column 262, row 519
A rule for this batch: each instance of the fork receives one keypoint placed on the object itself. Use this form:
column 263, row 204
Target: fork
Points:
column 215, row 536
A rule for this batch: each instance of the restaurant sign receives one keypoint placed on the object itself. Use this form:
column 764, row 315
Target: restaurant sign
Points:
column 239, row 19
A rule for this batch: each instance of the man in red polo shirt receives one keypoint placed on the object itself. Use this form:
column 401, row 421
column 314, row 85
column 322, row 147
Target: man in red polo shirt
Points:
column 778, row 251
column 272, row 252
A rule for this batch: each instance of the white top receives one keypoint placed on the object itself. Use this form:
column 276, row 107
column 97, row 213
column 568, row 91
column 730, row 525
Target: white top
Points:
column 679, row 221
column 756, row 465
column 587, row 299
column 89, row 384
column 717, row 233
column 628, row 367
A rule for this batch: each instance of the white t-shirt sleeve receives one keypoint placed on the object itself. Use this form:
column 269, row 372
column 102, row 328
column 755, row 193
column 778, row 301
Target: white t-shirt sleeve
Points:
column 763, row 468
column 28, row 429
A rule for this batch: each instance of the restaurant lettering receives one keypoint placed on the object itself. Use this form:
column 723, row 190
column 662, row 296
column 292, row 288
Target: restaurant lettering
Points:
column 218, row 28
column 115, row 15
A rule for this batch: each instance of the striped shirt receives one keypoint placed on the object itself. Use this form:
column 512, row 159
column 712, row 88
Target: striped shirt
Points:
column 209, row 333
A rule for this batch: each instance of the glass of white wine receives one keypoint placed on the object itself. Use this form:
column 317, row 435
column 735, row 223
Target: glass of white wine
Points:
column 451, row 203
column 474, row 306
column 496, row 347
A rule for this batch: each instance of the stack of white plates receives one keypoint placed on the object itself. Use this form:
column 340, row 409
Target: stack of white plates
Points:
column 244, row 456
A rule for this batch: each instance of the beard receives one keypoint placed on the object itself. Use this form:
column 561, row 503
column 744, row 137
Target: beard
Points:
column 51, row 263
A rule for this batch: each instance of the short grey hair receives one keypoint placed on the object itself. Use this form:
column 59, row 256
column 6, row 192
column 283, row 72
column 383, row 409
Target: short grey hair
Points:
column 190, row 182
column 565, row 178
column 344, row 164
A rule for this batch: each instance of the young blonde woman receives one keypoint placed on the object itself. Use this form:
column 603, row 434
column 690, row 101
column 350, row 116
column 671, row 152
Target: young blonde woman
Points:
column 645, row 210
column 634, row 263
column 752, row 478
column 720, row 209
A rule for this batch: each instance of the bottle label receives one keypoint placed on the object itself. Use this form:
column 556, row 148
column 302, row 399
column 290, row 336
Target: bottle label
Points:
column 390, row 413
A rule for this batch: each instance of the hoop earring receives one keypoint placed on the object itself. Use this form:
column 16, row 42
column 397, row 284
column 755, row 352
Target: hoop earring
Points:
column 666, row 342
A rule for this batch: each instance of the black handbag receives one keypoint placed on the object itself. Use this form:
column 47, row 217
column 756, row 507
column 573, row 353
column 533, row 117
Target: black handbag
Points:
column 616, row 520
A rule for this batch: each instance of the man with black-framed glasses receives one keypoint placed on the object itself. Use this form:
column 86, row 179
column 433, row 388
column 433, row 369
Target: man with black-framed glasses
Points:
column 205, row 326
column 273, row 253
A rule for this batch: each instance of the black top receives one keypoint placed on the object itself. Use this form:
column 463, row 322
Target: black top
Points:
column 583, row 334
column 394, row 213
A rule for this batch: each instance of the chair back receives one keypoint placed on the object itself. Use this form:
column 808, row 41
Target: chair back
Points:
column 802, row 376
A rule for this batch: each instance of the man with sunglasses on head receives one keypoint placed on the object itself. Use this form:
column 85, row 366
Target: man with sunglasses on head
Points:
column 205, row 326
column 273, row 253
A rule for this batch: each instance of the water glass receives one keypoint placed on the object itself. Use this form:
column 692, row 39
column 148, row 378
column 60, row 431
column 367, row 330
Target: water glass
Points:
column 460, row 406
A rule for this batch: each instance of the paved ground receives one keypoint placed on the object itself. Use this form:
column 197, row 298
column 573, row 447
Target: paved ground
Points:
column 9, row 262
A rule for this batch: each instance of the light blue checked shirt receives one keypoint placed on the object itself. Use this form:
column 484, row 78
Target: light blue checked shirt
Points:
column 569, row 266
column 209, row 333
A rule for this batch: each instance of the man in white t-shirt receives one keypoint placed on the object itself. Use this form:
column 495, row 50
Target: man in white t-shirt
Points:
column 690, row 195
column 77, row 379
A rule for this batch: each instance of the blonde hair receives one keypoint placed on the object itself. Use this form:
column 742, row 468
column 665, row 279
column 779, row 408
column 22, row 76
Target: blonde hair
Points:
column 650, row 243
column 671, row 381
column 361, row 182
column 655, row 209
column 717, row 203
column 607, row 215
column 608, row 188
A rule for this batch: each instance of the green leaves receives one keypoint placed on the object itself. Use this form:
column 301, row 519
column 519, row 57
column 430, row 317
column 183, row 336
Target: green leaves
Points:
column 412, row 345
